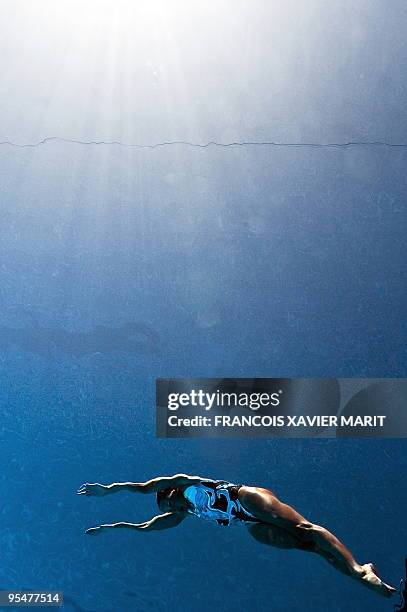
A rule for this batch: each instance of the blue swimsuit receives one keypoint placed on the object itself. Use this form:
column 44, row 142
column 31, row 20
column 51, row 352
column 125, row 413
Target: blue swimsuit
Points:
column 218, row 502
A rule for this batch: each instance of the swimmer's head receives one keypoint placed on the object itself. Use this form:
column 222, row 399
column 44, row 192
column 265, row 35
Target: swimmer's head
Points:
column 170, row 500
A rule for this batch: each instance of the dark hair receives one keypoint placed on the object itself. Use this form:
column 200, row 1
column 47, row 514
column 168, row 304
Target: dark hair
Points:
column 160, row 495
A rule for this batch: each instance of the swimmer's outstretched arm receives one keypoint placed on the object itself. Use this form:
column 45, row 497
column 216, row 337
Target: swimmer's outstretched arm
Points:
column 150, row 486
column 157, row 523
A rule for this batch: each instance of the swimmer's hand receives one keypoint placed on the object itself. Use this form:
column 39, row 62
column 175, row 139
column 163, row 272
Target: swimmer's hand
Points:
column 95, row 489
column 94, row 530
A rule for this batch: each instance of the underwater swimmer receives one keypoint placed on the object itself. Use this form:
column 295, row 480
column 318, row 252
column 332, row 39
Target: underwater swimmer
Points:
column 267, row 519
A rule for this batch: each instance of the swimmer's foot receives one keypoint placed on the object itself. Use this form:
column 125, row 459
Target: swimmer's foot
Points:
column 94, row 530
column 372, row 580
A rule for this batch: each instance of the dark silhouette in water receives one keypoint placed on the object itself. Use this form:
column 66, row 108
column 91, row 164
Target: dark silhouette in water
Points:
column 402, row 606
column 42, row 340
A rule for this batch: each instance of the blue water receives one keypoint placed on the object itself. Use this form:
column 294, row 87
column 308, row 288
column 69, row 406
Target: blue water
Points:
column 274, row 274
column 121, row 265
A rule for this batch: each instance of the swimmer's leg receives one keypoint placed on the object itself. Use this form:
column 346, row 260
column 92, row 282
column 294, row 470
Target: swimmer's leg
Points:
column 265, row 506
column 157, row 523
column 271, row 535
